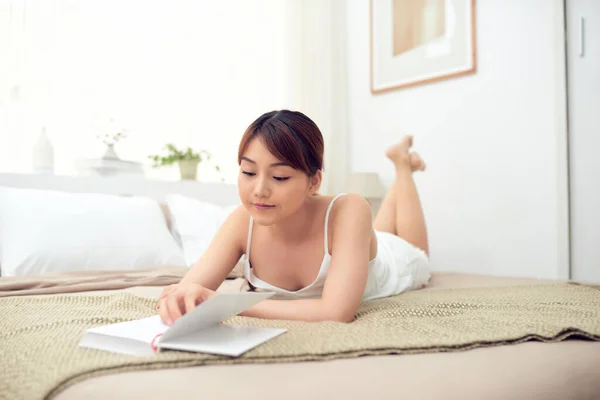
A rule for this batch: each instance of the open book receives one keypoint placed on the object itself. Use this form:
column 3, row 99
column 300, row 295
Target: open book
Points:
column 201, row 330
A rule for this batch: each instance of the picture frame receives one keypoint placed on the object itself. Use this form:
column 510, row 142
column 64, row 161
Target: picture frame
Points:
column 416, row 42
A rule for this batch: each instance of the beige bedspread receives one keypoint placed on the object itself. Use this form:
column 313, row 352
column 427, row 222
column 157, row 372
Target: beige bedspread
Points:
column 83, row 281
column 524, row 307
column 531, row 370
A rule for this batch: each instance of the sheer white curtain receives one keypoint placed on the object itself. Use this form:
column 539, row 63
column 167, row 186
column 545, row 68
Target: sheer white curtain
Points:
column 189, row 72
column 318, row 32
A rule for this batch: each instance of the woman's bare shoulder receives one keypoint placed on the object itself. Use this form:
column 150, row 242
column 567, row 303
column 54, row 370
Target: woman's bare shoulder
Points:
column 349, row 212
column 237, row 225
column 351, row 203
column 347, row 203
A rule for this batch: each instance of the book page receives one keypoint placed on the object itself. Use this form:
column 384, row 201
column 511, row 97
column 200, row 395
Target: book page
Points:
column 213, row 312
column 223, row 339
column 143, row 330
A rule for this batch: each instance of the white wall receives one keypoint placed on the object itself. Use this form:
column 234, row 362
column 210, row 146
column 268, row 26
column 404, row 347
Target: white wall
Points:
column 495, row 190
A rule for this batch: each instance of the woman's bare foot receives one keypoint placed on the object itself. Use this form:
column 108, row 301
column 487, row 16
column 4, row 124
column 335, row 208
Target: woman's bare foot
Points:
column 416, row 162
column 401, row 155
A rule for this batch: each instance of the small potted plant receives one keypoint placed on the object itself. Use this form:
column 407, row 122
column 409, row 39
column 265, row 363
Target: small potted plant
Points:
column 187, row 159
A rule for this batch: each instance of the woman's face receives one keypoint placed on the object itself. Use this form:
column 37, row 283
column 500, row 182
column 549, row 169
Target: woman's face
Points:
column 270, row 189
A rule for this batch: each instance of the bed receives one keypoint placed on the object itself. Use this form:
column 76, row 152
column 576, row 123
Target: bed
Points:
column 561, row 365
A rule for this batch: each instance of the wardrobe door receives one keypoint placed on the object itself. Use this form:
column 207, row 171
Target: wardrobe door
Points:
column 583, row 80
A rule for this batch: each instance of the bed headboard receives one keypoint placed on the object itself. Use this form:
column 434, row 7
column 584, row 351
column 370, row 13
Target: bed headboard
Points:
column 217, row 193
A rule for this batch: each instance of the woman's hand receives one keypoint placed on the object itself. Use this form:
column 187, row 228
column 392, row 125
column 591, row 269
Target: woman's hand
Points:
column 179, row 299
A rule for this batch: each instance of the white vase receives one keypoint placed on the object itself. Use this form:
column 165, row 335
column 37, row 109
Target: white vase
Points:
column 110, row 153
column 43, row 155
column 188, row 168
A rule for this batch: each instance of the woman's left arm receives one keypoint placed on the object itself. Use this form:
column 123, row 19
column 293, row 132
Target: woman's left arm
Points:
column 347, row 275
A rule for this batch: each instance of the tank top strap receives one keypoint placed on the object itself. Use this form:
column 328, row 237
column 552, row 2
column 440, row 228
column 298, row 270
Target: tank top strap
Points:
column 249, row 242
column 327, row 222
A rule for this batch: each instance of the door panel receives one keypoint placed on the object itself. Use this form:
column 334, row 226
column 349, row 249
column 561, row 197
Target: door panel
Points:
column 583, row 77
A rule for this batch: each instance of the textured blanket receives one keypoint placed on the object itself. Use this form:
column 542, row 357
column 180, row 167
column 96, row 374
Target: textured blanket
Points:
column 39, row 336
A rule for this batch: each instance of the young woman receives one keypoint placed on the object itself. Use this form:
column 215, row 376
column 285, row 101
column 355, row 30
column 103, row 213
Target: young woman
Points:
column 324, row 253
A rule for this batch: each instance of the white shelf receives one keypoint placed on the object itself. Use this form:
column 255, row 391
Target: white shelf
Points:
column 109, row 167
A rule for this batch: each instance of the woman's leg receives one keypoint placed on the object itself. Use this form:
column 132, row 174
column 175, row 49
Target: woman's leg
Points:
column 401, row 212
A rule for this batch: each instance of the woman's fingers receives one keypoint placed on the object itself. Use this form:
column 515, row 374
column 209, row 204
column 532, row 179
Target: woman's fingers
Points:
column 162, row 310
column 191, row 300
column 162, row 296
column 176, row 301
column 173, row 308
column 168, row 308
column 169, row 289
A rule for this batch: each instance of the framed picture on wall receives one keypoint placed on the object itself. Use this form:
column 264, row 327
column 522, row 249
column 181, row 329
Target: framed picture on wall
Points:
column 414, row 42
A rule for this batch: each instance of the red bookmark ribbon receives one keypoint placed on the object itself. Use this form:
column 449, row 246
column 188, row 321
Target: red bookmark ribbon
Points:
column 153, row 342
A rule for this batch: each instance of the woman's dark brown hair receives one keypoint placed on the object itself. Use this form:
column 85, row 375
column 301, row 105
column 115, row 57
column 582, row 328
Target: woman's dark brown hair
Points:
column 290, row 136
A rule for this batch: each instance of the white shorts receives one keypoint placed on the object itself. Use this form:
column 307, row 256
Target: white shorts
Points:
column 398, row 267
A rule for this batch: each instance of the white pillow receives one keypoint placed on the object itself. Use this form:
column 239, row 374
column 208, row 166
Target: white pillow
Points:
column 49, row 231
column 195, row 223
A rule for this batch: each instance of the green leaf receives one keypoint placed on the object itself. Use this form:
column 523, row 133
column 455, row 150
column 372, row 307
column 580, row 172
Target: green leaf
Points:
column 172, row 155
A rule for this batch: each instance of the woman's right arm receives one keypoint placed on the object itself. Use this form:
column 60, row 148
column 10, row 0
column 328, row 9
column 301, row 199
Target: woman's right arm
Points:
column 223, row 253
column 203, row 279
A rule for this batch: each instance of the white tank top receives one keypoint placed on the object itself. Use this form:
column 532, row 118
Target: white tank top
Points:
column 314, row 290
column 397, row 267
